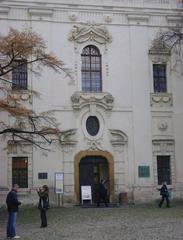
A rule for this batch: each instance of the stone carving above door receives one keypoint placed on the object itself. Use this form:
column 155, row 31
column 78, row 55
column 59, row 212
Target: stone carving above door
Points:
column 94, row 145
column 90, row 32
column 81, row 99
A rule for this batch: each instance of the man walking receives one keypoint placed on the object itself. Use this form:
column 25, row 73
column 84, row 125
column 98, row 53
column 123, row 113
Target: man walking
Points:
column 12, row 206
column 164, row 194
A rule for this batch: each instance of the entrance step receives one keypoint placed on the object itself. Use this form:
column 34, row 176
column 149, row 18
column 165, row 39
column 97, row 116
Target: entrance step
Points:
column 110, row 205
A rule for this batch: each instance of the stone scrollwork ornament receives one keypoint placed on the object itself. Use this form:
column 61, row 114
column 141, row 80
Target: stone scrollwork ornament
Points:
column 68, row 137
column 81, row 100
column 118, row 137
column 94, row 145
column 90, row 32
column 163, row 126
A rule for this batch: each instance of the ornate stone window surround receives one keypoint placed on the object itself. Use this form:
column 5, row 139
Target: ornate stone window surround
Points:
column 19, row 151
column 90, row 34
column 160, row 54
column 104, row 65
column 160, row 59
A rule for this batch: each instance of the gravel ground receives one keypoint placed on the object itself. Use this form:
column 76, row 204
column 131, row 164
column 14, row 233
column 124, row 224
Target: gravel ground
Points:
column 125, row 223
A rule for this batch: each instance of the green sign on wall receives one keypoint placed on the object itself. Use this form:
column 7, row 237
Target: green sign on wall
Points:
column 144, row 171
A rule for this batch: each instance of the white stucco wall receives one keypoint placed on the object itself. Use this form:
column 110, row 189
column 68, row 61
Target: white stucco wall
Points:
column 126, row 75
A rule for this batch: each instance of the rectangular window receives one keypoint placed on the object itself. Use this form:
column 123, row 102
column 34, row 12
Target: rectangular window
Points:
column 20, row 171
column 19, row 75
column 42, row 175
column 163, row 168
column 159, row 78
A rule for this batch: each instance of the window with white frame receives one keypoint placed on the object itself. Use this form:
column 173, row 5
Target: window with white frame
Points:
column 91, row 69
column 19, row 75
column 159, row 78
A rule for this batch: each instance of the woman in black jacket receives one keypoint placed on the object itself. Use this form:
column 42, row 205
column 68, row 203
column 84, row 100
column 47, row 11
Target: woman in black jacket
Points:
column 43, row 204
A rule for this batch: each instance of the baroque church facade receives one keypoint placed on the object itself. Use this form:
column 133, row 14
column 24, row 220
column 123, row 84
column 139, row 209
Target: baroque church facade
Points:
column 121, row 112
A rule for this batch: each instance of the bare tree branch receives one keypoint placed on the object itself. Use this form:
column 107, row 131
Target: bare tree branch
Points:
column 26, row 46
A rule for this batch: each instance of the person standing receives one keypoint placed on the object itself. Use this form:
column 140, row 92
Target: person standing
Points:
column 12, row 207
column 164, row 194
column 43, row 204
column 102, row 193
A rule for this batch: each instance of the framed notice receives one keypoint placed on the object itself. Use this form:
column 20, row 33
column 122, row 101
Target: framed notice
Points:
column 86, row 193
column 59, row 182
column 144, row 171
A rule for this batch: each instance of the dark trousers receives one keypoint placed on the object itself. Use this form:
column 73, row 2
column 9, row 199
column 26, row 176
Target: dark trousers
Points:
column 43, row 218
column 11, row 225
column 104, row 200
column 162, row 200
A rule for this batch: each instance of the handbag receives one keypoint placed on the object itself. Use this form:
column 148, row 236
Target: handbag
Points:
column 46, row 204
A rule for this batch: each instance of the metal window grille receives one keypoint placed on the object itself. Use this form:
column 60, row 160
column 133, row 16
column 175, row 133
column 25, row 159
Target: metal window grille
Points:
column 91, row 70
column 19, row 75
column 43, row 175
column 20, row 171
column 163, row 168
column 159, row 78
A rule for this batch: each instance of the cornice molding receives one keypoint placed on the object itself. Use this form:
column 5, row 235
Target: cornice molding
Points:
column 165, row 140
column 167, row 4
column 139, row 17
column 4, row 10
column 40, row 12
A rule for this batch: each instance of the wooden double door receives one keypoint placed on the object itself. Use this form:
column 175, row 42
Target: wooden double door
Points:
column 91, row 170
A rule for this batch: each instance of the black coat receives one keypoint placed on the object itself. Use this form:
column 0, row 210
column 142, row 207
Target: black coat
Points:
column 164, row 190
column 43, row 200
column 12, row 201
column 102, row 191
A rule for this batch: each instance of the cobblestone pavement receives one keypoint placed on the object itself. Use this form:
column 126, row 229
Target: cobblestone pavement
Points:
column 126, row 223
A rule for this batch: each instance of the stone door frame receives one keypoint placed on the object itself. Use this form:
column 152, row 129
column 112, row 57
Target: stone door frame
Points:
column 110, row 161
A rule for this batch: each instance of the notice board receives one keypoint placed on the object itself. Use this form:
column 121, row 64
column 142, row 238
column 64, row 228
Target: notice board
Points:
column 86, row 193
column 59, row 182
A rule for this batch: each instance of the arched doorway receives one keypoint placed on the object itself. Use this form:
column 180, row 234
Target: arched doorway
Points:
column 92, row 169
column 89, row 168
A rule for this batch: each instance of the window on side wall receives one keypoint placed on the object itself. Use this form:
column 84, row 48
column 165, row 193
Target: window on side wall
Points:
column 20, row 171
column 163, row 169
column 91, row 69
column 19, row 75
column 159, row 78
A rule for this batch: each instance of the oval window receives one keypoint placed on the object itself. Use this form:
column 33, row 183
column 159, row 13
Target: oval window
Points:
column 92, row 125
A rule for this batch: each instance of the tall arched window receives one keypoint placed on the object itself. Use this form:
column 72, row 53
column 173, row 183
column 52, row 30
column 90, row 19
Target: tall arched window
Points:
column 91, row 69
